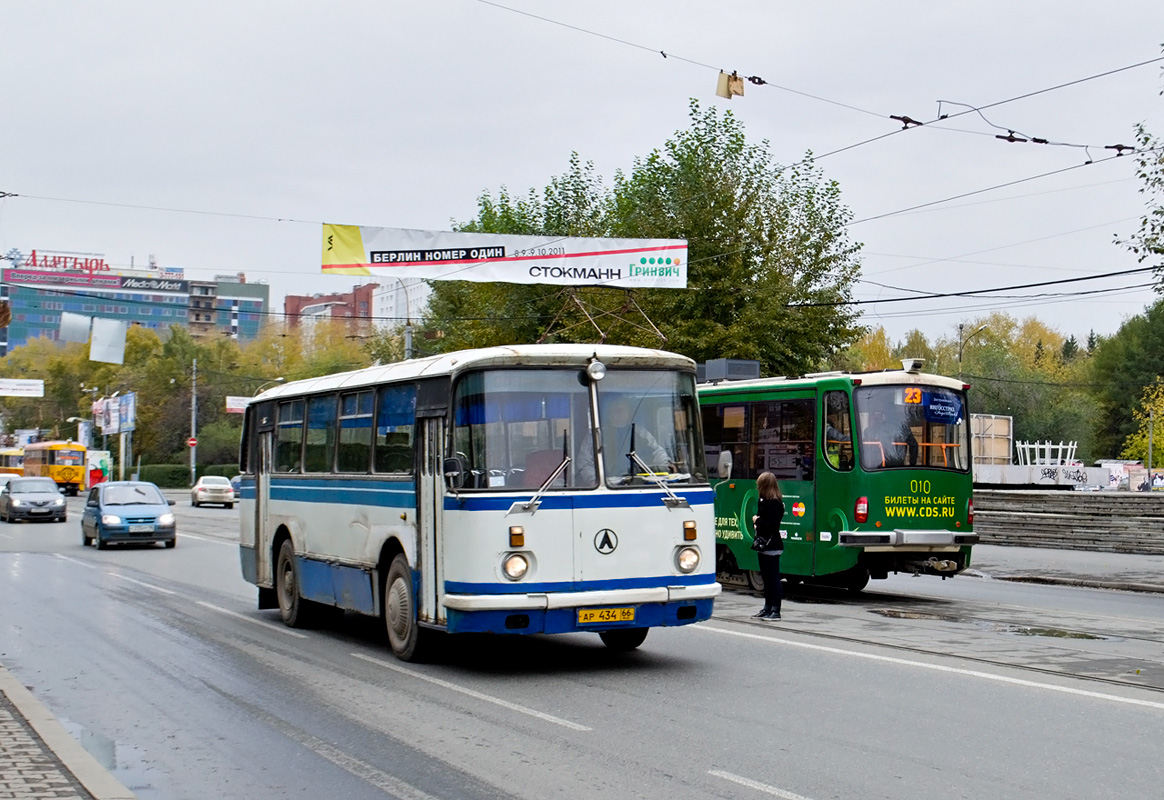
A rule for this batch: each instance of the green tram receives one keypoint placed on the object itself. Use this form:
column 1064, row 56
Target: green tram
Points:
column 874, row 468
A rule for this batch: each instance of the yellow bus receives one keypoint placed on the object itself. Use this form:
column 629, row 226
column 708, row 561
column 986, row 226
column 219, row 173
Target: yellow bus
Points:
column 64, row 462
column 12, row 461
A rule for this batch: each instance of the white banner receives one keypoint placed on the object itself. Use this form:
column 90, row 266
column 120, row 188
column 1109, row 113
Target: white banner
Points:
column 487, row 257
column 236, row 405
column 17, row 387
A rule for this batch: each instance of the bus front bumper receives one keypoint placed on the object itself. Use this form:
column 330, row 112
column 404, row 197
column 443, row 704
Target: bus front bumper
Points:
column 559, row 612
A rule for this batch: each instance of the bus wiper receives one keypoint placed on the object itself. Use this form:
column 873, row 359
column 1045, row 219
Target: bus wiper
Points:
column 531, row 506
column 672, row 500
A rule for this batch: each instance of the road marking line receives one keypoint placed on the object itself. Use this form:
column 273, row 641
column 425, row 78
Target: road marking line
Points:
column 76, row 561
column 940, row 668
column 205, row 539
column 472, row 693
column 251, row 620
column 119, row 576
column 5, row 536
column 760, row 787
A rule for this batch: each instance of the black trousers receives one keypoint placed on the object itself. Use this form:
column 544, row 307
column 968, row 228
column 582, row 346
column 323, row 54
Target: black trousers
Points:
column 770, row 572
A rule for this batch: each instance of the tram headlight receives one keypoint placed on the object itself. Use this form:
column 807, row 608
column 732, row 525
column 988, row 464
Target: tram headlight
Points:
column 687, row 559
column 596, row 370
column 515, row 566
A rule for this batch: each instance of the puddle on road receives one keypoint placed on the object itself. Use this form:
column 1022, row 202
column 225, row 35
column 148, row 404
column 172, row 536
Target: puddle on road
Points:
column 1056, row 633
column 124, row 762
column 998, row 627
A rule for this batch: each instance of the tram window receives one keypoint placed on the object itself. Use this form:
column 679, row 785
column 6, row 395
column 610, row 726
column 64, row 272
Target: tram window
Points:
column 355, row 432
column 395, row 423
column 725, row 427
column 289, row 436
column 319, row 448
column 837, row 436
column 782, row 433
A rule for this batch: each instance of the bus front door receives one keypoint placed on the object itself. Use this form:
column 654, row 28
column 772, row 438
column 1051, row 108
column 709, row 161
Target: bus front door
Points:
column 429, row 499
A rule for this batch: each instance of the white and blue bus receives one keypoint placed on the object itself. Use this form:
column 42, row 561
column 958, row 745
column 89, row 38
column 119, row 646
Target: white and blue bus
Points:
column 523, row 489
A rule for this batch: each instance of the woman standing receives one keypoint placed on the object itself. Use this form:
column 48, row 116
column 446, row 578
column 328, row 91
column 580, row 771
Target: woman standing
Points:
column 767, row 542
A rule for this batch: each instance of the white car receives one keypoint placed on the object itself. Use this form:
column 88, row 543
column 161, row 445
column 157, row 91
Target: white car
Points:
column 212, row 489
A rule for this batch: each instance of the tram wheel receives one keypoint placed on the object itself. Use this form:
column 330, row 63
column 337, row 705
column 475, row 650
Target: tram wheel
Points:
column 755, row 580
column 405, row 637
column 857, row 580
column 624, row 640
column 294, row 610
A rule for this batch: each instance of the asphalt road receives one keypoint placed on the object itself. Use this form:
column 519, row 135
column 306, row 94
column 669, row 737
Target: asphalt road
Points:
column 159, row 662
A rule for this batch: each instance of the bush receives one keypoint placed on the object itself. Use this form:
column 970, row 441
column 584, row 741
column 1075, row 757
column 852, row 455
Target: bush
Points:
column 167, row 476
column 177, row 476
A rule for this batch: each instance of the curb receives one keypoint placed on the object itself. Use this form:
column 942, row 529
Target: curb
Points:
column 97, row 780
column 1119, row 586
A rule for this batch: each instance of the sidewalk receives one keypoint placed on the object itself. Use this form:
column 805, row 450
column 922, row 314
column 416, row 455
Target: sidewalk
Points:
column 1122, row 571
column 38, row 757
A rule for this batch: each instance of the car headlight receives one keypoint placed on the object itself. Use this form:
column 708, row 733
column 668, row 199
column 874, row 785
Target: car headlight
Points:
column 60, row 501
column 16, row 502
column 687, row 559
column 515, row 566
column 110, row 519
column 166, row 520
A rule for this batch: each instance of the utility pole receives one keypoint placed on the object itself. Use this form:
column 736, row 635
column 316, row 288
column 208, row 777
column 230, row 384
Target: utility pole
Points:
column 193, row 422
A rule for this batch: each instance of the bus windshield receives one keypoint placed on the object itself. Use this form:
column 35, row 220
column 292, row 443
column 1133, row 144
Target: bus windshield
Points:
column 649, row 428
column 912, row 426
column 70, row 458
column 513, row 428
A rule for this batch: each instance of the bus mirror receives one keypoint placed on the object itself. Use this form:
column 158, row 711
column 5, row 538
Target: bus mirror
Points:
column 454, row 473
column 725, row 463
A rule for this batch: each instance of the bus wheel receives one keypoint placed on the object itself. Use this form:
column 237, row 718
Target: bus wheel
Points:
column 624, row 640
column 755, row 580
column 857, row 580
column 292, row 608
column 404, row 633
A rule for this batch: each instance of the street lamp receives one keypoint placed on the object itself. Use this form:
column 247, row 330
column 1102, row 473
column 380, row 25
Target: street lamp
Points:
column 963, row 342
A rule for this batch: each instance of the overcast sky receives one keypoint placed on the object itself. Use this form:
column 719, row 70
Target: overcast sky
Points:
column 400, row 114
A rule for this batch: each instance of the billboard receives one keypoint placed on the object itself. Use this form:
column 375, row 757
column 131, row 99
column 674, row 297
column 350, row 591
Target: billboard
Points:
column 488, row 257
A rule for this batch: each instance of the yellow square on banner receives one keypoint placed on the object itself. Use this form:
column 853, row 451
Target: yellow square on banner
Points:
column 343, row 250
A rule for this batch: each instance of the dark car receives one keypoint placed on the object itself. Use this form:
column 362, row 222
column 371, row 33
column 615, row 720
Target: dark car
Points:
column 127, row 512
column 32, row 498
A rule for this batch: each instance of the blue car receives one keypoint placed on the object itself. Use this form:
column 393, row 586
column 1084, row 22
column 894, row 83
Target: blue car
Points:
column 127, row 512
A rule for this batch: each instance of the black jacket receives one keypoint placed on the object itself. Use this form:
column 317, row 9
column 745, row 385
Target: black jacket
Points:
column 769, row 516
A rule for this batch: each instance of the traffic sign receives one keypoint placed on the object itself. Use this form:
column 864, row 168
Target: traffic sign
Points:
column 191, row 441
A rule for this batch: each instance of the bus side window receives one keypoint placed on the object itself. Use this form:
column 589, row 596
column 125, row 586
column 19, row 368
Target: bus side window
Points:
column 837, row 440
column 289, row 437
column 395, row 421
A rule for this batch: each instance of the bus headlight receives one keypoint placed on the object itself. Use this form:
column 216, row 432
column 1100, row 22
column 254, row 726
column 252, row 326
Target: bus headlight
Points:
column 515, row 566
column 687, row 559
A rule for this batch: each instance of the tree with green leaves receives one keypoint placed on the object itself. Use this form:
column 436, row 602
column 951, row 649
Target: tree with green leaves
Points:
column 1122, row 365
column 770, row 263
column 1148, row 242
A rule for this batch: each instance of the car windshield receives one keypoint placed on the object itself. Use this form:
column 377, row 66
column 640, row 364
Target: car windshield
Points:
column 32, row 486
column 215, row 482
column 134, row 495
